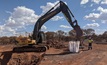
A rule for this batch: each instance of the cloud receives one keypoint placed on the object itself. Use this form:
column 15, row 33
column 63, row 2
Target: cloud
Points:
column 92, row 16
column 104, row 21
column 104, row 2
column 96, row 1
column 84, row 1
column 102, row 10
column 94, row 10
column 22, row 17
column 56, row 18
column 6, row 31
column 100, row 31
column 102, row 15
column 65, row 26
column 48, row 6
column 1, row 27
column 93, row 25
column 91, row 5
column 8, row 12
column 19, row 19
column 43, row 27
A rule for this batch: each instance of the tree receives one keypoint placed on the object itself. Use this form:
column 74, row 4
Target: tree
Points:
column 89, row 31
column 105, row 33
column 60, row 34
column 50, row 35
column 72, row 33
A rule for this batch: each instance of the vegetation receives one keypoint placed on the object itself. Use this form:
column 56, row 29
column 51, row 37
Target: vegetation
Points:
column 62, row 36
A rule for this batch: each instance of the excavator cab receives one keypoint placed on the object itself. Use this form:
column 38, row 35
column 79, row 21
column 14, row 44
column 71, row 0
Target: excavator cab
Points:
column 41, row 37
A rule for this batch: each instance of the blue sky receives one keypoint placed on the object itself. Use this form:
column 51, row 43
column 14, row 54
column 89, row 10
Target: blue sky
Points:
column 20, row 16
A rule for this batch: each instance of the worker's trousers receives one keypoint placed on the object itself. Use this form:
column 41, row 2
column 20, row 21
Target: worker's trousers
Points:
column 89, row 46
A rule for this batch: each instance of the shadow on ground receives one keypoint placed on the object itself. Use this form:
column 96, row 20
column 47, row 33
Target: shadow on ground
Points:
column 5, row 57
column 65, row 52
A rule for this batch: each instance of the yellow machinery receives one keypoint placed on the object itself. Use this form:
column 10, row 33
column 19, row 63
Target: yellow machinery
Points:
column 39, row 36
column 25, row 40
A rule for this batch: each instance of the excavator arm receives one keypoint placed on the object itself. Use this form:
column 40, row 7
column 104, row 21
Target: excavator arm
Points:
column 52, row 12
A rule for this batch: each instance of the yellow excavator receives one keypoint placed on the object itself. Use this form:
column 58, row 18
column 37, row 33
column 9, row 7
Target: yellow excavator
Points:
column 39, row 36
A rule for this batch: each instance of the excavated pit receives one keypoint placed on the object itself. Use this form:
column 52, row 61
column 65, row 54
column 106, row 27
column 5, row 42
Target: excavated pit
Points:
column 10, row 57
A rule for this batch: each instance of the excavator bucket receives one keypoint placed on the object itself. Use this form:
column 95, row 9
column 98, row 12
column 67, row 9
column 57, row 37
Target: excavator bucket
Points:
column 78, row 31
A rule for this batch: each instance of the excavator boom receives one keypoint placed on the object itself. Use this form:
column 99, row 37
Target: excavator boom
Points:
column 52, row 12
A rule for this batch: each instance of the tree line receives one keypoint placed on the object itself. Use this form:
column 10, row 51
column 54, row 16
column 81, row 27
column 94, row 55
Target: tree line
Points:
column 62, row 36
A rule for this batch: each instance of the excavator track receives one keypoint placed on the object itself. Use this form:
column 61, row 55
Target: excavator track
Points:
column 30, row 49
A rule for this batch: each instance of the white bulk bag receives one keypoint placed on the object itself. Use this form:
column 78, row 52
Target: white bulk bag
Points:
column 74, row 46
column 71, row 46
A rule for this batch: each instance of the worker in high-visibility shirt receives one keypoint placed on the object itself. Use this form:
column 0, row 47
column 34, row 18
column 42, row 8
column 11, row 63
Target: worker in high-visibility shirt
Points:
column 90, row 41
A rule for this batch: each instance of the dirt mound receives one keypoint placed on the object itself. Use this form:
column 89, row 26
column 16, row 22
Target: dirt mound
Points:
column 56, row 44
column 24, row 59
column 8, row 57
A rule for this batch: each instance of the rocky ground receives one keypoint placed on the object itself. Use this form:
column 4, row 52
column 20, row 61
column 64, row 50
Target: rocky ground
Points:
column 96, row 56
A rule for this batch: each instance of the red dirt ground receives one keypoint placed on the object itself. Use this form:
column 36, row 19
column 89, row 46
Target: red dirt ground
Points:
column 8, row 57
column 96, row 56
